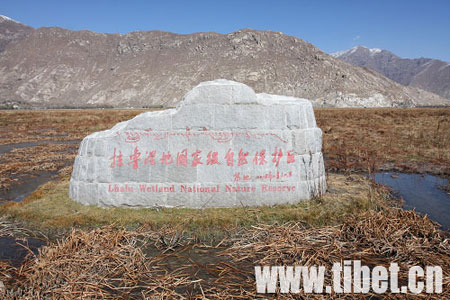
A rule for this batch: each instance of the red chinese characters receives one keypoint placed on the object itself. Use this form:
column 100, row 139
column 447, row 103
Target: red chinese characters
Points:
column 166, row 159
column 150, row 157
column 242, row 158
column 134, row 158
column 196, row 158
column 229, row 157
column 182, row 158
column 199, row 157
column 277, row 156
column 290, row 157
column 237, row 177
column 213, row 158
column 116, row 159
column 260, row 158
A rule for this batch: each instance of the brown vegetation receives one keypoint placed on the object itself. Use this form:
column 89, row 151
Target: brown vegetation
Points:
column 37, row 125
column 47, row 128
column 112, row 263
column 411, row 140
column 354, row 140
column 350, row 222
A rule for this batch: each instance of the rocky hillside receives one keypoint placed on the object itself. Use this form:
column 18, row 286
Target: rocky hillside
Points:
column 11, row 30
column 54, row 67
column 432, row 75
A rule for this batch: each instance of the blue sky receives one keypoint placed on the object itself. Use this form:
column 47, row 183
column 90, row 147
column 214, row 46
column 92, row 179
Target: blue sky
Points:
column 407, row 28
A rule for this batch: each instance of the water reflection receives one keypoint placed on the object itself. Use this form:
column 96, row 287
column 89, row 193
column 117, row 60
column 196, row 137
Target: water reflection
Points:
column 422, row 192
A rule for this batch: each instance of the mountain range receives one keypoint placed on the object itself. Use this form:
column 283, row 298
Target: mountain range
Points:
column 52, row 67
column 429, row 74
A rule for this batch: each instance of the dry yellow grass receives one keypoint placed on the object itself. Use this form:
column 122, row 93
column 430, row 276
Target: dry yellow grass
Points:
column 112, row 263
column 354, row 139
column 63, row 124
column 352, row 220
column 408, row 139
column 49, row 125
column 50, row 208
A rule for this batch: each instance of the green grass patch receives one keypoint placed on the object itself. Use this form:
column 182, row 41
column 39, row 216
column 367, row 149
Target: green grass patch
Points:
column 51, row 208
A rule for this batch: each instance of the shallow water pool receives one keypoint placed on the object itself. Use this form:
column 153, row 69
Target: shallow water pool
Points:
column 422, row 192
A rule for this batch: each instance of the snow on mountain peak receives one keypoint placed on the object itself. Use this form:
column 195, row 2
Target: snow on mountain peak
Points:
column 5, row 18
column 354, row 49
column 375, row 50
column 348, row 51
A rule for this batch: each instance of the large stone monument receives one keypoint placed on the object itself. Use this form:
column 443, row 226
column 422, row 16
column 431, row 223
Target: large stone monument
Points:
column 223, row 146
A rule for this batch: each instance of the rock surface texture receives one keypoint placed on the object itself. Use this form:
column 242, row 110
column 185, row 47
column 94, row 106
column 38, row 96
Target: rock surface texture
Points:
column 54, row 68
column 223, row 146
column 429, row 74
